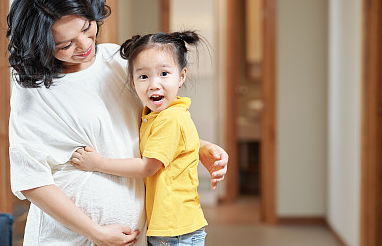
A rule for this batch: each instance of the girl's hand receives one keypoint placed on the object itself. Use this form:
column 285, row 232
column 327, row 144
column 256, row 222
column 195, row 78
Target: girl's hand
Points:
column 215, row 160
column 87, row 159
column 115, row 235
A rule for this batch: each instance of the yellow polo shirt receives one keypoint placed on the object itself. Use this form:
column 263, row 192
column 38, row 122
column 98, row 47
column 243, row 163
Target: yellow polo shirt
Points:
column 172, row 200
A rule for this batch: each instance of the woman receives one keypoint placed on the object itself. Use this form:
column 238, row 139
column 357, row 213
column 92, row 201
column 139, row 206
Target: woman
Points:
column 72, row 93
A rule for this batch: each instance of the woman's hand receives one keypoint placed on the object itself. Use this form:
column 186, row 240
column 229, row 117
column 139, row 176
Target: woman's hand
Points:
column 87, row 159
column 215, row 160
column 115, row 235
column 54, row 202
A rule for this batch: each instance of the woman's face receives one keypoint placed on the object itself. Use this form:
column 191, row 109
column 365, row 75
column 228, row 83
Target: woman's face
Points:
column 74, row 38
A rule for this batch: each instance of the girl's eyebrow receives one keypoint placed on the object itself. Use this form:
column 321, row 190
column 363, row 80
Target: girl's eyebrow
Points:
column 65, row 41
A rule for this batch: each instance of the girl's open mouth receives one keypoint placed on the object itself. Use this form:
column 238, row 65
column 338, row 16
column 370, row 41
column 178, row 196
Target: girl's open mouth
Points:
column 157, row 99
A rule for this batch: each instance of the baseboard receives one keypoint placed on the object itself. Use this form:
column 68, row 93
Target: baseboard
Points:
column 301, row 221
column 311, row 221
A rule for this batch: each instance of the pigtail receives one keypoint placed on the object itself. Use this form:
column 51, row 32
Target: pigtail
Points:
column 190, row 37
column 125, row 49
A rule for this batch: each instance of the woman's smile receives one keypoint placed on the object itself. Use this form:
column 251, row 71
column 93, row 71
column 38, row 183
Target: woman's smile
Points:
column 87, row 52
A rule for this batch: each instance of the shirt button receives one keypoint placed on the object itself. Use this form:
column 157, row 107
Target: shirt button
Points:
column 144, row 120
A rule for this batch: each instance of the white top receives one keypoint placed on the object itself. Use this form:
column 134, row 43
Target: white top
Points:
column 93, row 107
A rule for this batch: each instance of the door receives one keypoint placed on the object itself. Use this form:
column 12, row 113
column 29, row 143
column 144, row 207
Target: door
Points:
column 250, row 120
column 371, row 166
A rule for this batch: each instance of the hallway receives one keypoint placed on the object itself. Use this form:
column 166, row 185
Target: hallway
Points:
column 238, row 224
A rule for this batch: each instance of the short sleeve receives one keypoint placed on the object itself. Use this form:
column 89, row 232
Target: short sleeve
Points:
column 29, row 169
column 165, row 142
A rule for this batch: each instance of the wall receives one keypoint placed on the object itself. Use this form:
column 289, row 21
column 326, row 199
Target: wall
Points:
column 345, row 38
column 137, row 17
column 301, row 108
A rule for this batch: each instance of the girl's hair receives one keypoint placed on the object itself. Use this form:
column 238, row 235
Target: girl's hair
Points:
column 31, row 45
column 173, row 42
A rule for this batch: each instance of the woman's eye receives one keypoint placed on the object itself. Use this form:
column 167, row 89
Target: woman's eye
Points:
column 87, row 28
column 67, row 47
column 143, row 77
column 164, row 74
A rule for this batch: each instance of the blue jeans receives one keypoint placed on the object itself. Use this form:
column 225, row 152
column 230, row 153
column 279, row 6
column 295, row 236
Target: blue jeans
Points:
column 195, row 238
column 6, row 231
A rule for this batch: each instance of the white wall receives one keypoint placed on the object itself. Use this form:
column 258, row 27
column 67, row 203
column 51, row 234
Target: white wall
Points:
column 301, row 108
column 137, row 17
column 344, row 118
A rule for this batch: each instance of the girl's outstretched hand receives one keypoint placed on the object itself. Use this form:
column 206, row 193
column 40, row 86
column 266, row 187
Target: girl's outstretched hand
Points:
column 215, row 160
column 87, row 159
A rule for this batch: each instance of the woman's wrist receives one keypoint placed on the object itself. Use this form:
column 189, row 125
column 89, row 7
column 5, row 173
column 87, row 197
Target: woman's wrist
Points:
column 95, row 233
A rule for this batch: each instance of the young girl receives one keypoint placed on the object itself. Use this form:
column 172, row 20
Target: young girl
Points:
column 169, row 142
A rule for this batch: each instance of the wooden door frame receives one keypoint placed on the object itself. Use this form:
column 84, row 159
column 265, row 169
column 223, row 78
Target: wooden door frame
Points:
column 5, row 187
column 371, row 157
column 268, row 117
column 164, row 13
column 108, row 32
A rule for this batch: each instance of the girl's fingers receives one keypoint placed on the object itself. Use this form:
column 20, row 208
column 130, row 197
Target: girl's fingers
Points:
column 76, row 155
column 80, row 151
column 89, row 149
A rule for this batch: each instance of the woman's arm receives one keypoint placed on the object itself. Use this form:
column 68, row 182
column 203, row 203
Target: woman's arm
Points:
column 55, row 203
column 88, row 159
column 215, row 160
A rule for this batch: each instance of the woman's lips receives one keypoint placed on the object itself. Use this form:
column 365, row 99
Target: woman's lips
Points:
column 86, row 53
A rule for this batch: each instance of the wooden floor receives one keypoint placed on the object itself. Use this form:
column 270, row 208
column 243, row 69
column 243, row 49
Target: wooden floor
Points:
column 238, row 224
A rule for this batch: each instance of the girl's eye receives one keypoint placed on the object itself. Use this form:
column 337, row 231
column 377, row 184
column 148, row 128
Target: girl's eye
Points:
column 87, row 28
column 143, row 77
column 67, row 47
column 164, row 74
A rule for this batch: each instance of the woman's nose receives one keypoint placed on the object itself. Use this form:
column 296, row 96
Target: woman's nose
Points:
column 83, row 43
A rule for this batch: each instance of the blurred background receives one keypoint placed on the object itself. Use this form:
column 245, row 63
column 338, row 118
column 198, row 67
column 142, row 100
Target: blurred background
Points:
column 279, row 84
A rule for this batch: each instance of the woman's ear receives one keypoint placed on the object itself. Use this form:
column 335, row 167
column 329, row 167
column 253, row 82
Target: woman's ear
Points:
column 183, row 75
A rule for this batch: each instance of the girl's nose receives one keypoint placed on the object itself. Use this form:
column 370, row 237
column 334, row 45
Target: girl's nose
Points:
column 154, row 84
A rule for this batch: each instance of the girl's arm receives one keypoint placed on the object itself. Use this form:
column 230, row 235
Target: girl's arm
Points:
column 55, row 203
column 88, row 159
column 215, row 160
column 213, row 157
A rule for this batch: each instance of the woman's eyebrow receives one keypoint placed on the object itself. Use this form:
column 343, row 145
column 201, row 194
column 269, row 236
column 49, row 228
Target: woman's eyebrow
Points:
column 65, row 41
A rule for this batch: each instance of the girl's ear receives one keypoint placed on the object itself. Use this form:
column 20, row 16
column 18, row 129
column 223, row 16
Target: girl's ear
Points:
column 183, row 75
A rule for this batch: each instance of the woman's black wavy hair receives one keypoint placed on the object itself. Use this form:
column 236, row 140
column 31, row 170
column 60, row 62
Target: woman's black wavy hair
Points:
column 31, row 45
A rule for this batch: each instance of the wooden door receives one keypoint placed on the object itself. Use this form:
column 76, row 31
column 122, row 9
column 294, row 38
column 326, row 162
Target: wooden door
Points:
column 108, row 33
column 5, row 191
column 371, row 165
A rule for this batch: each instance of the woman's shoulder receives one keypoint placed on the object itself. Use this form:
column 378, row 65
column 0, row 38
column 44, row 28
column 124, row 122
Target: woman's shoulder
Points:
column 109, row 47
column 110, row 53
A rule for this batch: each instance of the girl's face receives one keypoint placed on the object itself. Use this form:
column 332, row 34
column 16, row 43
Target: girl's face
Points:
column 157, row 78
column 74, row 38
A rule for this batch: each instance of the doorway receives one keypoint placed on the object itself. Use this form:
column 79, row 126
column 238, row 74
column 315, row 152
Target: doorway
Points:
column 250, row 94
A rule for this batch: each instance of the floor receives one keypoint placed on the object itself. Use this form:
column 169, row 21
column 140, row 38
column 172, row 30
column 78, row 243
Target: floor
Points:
column 238, row 224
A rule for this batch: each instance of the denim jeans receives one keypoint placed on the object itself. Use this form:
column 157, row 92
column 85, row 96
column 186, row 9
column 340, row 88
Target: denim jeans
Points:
column 195, row 238
column 6, row 222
